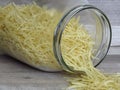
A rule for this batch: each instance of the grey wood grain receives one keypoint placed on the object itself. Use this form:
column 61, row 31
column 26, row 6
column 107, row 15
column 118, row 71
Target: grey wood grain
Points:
column 15, row 75
column 111, row 8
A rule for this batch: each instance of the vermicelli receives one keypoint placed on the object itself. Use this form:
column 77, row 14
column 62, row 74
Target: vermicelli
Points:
column 26, row 33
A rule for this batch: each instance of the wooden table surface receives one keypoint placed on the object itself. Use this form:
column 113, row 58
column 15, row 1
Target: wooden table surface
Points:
column 15, row 75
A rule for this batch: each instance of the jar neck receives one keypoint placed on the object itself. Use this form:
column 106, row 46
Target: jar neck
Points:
column 106, row 38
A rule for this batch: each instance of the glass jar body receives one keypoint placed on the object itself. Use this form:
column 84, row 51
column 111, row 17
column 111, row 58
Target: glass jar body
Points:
column 40, row 47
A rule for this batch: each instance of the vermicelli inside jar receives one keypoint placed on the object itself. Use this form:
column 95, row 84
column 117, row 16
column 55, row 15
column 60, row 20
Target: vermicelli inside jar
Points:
column 26, row 33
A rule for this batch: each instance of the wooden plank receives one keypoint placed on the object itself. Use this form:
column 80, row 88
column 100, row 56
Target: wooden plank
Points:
column 16, row 75
column 111, row 8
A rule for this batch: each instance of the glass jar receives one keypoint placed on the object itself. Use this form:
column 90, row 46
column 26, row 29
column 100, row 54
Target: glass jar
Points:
column 94, row 20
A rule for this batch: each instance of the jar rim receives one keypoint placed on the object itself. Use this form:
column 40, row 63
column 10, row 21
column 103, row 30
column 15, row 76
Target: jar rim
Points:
column 60, row 28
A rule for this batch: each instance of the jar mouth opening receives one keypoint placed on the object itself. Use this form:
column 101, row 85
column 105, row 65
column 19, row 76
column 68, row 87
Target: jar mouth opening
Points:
column 104, row 47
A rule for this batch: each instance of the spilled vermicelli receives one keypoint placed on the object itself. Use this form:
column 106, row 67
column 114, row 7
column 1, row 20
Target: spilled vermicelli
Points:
column 26, row 33
column 77, row 52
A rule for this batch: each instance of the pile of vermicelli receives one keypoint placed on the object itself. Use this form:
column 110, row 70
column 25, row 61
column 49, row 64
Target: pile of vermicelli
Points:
column 77, row 49
column 26, row 33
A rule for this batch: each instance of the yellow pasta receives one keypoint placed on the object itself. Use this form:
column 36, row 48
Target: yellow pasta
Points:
column 26, row 33
column 77, row 48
